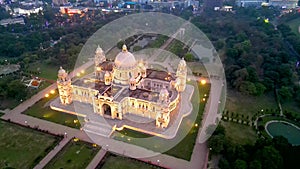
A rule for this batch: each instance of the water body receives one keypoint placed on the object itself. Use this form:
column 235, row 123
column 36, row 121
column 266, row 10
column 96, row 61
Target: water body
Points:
column 285, row 129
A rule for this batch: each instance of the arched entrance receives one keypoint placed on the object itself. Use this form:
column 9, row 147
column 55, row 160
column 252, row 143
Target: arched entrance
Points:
column 106, row 109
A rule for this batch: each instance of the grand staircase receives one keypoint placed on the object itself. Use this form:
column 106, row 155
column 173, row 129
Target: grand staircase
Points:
column 98, row 125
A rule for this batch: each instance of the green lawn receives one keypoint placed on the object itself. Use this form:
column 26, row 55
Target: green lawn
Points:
column 42, row 110
column 185, row 147
column 75, row 155
column 239, row 133
column 197, row 67
column 118, row 162
column 22, row 147
column 46, row 71
column 294, row 25
column 292, row 107
column 249, row 105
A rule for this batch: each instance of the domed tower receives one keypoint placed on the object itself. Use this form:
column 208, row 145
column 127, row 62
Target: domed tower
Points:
column 107, row 78
column 99, row 58
column 64, row 87
column 181, row 75
column 142, row 67
column 164, row 96
column 125, row 67
column 162, row 118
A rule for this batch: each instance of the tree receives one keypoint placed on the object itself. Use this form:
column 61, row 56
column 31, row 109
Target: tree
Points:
column 189, row 57
column 219, row 44
column 216, row 143
column 260, row 89
column 16, row 90
column 232, row 52
column 269, row 157
column 285, row 93
column 224, row 164
column 240, row 164
column 247, row 87
column 255, row 165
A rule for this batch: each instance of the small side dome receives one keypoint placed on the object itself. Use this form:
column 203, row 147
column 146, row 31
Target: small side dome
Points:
column 182, row 62
column 99, row 50
column 61, row 71
column 106, row 74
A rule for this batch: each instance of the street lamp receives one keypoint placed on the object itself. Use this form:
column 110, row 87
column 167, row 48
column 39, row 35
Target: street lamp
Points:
column 157, row 162
column 52, row 91
column 203, row 81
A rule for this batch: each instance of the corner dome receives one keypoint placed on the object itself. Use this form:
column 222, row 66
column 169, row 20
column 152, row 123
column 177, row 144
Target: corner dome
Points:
column 182, row 62
column 125, row 59
column 61, row 71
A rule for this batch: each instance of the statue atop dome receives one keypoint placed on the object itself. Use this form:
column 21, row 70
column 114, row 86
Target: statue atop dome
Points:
column 124, row 48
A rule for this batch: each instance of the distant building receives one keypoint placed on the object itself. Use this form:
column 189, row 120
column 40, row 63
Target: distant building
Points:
column 101, row 3
column 72, row 10
column 284, row 3
column 27, row 11
column 59, row 2
column 246, row 3
column 5, row 22
column 32, row 3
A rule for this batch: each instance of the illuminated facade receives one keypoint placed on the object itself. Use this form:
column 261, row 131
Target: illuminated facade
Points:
column 126, row 87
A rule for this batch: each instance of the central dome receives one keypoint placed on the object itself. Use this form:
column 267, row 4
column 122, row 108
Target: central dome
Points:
column 125, row 59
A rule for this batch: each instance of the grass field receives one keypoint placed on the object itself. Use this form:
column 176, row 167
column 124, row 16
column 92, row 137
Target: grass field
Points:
column 249, row 105
column 75, row 155
column 118, row 162
column 294, row 25
column 185, row 147
column 293, row 107
column 239, row 134
column 47, row 71
column 21, row 147
column 42, row 110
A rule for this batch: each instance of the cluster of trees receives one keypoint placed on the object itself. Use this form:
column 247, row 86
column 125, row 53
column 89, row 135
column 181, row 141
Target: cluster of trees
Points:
column 3, row 13
column 265, row 153
column 12, row 89
column 255, row 54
